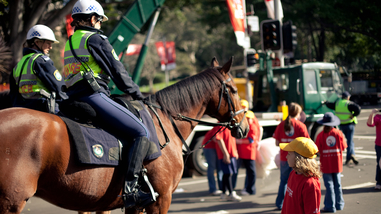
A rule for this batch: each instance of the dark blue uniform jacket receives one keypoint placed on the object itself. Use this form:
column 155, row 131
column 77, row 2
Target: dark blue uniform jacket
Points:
column 101, row 49
column 44, row 69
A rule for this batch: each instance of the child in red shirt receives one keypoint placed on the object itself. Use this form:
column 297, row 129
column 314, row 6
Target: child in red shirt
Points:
column 285, row 132
column 331, row 144
column 247, row 151
column 303, row 188
column 213, row 163
column 227, row 154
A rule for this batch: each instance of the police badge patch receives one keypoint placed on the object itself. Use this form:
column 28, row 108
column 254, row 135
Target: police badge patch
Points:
column 114, row 54
column 98, row 150
column 57, row 75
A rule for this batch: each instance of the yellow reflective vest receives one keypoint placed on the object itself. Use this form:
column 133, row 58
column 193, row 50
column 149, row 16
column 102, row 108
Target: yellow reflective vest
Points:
column 74, row 70
column 27, row 81
column 343, row 113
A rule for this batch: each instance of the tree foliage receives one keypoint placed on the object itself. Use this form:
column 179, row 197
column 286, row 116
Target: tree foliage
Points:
column 347, row 32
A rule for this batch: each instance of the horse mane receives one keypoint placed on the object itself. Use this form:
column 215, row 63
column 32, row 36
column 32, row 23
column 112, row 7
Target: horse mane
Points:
column 186, row 94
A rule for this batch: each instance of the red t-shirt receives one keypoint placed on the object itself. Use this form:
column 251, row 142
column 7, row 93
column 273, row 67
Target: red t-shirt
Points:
column 249, row 151
column 298, row 129
column 230, row 144
column 208, row 135
column 302, row 196
column 377, row 123
column 331, row 146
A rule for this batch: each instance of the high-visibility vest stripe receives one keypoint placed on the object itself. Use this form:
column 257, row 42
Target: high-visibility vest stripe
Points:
column 28, row 83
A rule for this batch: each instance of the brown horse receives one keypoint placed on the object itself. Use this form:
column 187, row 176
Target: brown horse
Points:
column 36, row 158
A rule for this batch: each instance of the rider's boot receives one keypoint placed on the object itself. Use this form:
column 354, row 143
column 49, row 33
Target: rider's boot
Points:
column 132, row 194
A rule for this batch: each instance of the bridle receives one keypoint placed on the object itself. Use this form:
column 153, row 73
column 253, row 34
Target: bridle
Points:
column 231, row 124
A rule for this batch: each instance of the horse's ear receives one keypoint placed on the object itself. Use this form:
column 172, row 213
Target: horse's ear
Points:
column 215, row 62
column 226, row 68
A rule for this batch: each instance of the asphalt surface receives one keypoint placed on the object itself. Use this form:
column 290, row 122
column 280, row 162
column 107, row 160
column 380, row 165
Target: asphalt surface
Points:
column 192, row 194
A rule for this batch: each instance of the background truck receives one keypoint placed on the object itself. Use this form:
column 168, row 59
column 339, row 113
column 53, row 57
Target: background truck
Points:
column 364, row 87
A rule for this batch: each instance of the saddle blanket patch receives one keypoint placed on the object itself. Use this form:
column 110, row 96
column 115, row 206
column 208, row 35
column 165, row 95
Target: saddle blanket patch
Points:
column 102, row 147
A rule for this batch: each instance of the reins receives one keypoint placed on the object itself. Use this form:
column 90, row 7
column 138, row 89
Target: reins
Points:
column 230, row 125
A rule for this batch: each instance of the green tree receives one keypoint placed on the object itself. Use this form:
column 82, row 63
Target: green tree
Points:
column 18, row 16
column 348, row 29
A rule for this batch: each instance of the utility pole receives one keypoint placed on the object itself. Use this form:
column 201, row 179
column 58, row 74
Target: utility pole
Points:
column 249, row 96
column 279, row 53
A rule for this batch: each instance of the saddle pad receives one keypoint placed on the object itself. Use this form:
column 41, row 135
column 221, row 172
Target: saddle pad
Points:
column 96, row 146
column 92, row 145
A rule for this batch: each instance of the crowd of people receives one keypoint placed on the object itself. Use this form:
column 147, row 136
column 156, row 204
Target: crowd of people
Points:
column 299, row 171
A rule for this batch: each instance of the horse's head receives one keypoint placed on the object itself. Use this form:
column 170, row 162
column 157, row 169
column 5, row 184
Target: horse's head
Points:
column 226, row 103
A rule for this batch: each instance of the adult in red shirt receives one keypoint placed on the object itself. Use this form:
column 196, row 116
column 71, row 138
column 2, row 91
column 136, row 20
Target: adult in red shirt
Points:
column 331, row 144
column 303, row 189
column 374, row 119
column 247, row 151
column 227, row 155
column 287, row 131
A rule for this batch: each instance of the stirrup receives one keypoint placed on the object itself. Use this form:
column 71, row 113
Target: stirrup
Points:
column 134, row 196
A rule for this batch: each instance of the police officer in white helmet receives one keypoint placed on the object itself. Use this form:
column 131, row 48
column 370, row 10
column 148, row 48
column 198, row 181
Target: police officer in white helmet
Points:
column 35, row 83
column 90, row 62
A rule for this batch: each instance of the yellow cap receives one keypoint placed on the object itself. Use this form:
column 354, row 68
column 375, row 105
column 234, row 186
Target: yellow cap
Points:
column 302, row 145
column 244, row 103
column 250, row 114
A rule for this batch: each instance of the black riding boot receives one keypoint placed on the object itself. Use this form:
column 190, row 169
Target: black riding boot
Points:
column 133, row 195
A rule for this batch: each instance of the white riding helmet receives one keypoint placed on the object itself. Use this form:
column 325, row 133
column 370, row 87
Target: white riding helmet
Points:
column 41, row 32
column 88, row 7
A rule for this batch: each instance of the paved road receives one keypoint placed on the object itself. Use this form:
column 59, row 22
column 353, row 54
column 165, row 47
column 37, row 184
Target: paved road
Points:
column 192, row 196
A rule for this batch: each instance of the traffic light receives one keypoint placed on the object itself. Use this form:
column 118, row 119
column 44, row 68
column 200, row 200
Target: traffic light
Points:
column 289, row 37
column 251, row 59
column 271, row 35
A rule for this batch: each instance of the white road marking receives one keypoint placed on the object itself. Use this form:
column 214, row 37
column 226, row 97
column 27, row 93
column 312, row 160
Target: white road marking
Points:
column 219, row 212
column 360, row 185
column 365, row 137
column 362, row 118
column 366, row 152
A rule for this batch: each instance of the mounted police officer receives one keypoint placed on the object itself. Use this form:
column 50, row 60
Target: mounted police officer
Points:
column 347, row 111
column 35, row 83
column 90, row 62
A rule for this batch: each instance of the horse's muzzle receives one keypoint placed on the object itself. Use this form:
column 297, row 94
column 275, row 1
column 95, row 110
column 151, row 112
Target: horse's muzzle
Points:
column 240, row 132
